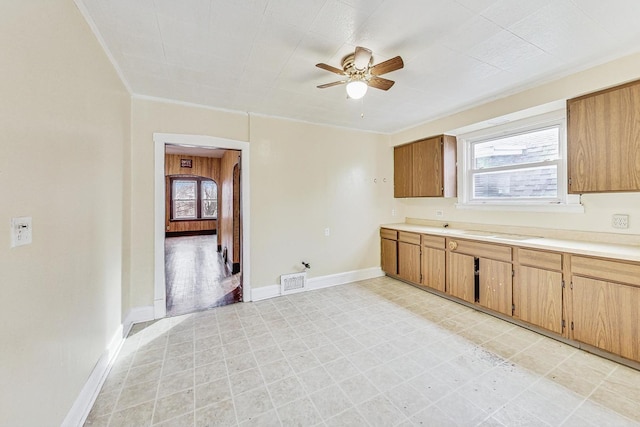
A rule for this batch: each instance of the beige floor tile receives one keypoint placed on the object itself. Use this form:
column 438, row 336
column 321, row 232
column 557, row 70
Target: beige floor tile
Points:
column 407, row 399
column 275, row 371
column 379, row 411
column 267, row 419
column 136, row 416
column 349, row 418
column 176, row 382
column 625, row 404
column 315, row 379
column 212, row 392
column 208, row 373
column 220, row 414
column 330, row 401
column 173, row 405
column 184, row 420
column 136, row 394
column 286, row 390
column 252, row 404
column 245, row 381
column 461, row 410
column 299, row 413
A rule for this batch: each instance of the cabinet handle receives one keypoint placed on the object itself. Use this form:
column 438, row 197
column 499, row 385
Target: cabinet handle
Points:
column 453, row 245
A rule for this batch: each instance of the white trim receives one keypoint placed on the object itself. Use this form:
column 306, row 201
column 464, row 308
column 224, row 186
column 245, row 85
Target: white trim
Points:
column 137, row 315
column 265, row 292
column 342, row 278
column 315, row 283
column 160, row 139
column 79, row 412
column 94, row 28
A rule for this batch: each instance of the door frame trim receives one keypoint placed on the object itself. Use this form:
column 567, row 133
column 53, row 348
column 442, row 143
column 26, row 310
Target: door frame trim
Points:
column 159, row 141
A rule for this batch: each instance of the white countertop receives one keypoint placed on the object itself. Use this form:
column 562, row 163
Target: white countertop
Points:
column 604, row 250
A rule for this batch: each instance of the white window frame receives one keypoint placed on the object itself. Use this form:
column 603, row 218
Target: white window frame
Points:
column 174, row 199
column 563, row 202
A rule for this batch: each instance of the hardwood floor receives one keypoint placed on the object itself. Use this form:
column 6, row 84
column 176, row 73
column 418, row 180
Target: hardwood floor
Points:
column 196, row 277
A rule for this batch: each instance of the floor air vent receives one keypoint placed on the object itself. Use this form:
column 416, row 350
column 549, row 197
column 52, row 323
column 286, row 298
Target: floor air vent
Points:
column 292, row 283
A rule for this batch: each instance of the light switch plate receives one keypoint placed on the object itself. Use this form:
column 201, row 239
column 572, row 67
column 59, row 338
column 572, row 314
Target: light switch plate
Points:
column 21, row 231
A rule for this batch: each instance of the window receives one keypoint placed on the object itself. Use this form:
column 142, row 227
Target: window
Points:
column 193, row 198
column 520, row 164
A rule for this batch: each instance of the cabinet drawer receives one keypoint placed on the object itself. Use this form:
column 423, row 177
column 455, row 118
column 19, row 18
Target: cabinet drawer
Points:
column 412, row 238
column 385, row 233
column 539, row 259
column 433, row 241
column 480, row 249
column 610, row 271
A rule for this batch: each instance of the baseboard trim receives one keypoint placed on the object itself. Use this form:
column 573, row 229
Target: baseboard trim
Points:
column 137, row 315
column 265, row 292
column 314, row 283
column 343, row 278
column 84, row 402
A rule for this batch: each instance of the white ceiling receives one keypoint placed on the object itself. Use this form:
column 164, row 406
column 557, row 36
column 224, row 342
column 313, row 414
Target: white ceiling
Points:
column 259, row 56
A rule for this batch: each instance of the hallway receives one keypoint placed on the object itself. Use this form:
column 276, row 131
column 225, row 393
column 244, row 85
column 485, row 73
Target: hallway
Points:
column 196, row 278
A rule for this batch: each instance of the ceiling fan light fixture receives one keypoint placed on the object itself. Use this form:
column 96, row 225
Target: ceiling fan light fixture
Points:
column 356, row 89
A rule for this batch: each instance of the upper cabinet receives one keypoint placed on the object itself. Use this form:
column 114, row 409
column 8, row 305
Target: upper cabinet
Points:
column 603, row 140
column 426, row 168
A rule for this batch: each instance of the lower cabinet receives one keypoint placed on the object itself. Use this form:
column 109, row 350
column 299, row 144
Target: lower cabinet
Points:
column 538, row 289
column 598, row 306
column 461, row 278
column 433, row 262
column 481, row 273
column 496, row 285
column 409, row 256
column 606, row 306
column 389, row 251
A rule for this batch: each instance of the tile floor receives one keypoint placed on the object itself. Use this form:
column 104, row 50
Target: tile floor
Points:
column 371, row 353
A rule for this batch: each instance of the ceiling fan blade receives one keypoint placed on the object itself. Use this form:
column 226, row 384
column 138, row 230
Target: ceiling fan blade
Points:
column 332, row 69
column 388, row 66
column 380, row 83
column 341, row 82
column 362, row 58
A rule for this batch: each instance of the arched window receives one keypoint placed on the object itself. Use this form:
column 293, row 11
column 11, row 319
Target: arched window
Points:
column 193, row 198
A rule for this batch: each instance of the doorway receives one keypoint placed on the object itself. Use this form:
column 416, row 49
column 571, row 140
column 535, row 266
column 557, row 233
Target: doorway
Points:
column 241, row 222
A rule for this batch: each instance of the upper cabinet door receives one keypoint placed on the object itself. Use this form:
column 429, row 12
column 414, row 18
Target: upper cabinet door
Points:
column 402, row 171
column 426, row 168
column 603, row 140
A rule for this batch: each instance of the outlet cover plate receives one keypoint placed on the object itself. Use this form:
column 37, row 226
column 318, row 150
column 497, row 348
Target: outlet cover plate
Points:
column 620, row 221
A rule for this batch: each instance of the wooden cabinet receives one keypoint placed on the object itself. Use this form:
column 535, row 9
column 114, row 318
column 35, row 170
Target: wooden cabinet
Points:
column 496, row 285
column 537, row 289
column 433, row 262
column 409, row 256
column 606, row 305
column 426, row 168
column 389, row 251
column 461, row 277
column 481, row 273
column 603, row 140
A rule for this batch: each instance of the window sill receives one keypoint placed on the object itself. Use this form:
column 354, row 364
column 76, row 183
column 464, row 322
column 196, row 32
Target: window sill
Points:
column 523, row 207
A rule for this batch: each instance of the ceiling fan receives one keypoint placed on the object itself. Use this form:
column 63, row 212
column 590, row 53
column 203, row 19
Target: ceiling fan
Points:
column 360, row 74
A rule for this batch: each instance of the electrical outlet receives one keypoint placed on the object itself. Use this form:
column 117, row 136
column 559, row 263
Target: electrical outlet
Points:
column 327, row 232
column 439, row 213
column 393, row 212
column 620, row 221
column 20, row 231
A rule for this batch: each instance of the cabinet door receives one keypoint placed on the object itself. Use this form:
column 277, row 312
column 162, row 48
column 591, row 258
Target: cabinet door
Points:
column 402, row 171
column 389, row 256
column 607, row 315
column 496, row 285
column 427, row 168
column 603, row 140
column 409, row 262
column 461, row 276
column 433, row 268
column 540, row 297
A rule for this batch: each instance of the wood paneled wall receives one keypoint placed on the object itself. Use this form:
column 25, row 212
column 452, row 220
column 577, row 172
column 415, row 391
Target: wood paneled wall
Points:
column 229, row 208
column 207, row 167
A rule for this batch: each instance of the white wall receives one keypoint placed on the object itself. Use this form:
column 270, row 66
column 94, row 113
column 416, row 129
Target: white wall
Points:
column 598, row 207
column 64, row 117
column 304, row 178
